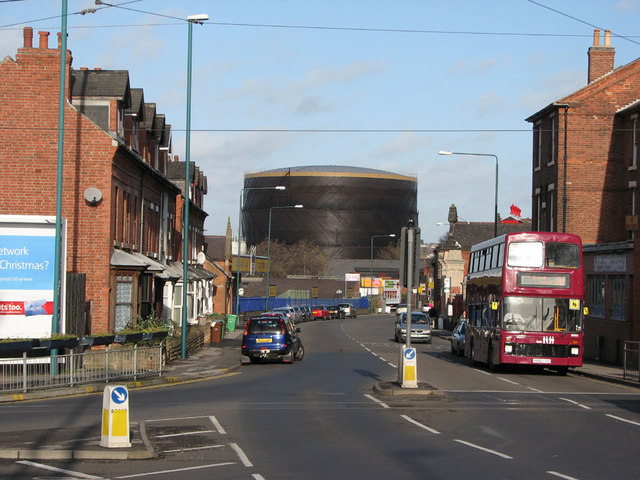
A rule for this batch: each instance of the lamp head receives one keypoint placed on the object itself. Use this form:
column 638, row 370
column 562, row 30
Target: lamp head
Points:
column 444, row 152
column 199, row 18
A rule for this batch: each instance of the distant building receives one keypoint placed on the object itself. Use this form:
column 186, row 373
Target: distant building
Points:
column 585, row 181
column 343, row 207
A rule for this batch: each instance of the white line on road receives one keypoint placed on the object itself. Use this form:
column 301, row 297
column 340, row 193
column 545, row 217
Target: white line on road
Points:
column 535, row 390
column 216, row 424
column 482, row 371
column 257, row 476
column 197, row 432
column 488, row 450
column 162, row 472
column 384, row 405
column 193, row 448
column 392, row 365
column 55, row 469
column 561, row 475
column 243, row 458
column 623, row 419
column 428, row 429
column 575, row 403
column 508, row 381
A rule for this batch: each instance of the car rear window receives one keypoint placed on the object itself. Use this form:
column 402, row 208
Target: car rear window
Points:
column 265, row 325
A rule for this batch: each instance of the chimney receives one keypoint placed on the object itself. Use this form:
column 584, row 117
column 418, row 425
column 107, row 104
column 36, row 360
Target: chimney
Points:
column 60, row 39
column 27, row 34
column 44, row 40
column 600, row 56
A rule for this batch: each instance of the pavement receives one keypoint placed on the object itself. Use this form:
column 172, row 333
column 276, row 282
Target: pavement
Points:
column 215, row 360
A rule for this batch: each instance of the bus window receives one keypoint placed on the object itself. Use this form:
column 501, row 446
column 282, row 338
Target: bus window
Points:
column 525, row 254
column 562, row 255
column 540, row 314
column 500, row 255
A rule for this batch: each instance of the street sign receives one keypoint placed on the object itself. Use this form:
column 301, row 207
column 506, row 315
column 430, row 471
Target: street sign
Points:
column 408, row 372
column 115, row 417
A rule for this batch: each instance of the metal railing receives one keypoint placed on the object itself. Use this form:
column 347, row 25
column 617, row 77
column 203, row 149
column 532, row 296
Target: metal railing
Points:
column 631, row 360
column 27, row 373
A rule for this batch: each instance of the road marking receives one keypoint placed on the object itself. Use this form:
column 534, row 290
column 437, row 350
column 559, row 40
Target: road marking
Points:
column 384, row 405
column 192, row 448
column 392, row 365
column 55, row 469
column 575, row 403
column 216, row 424
column 535, row 390
column 482, row 371
column 198, row 432
column 428, row 429
column 622, row 419
column 561, row 475
column 243, row 457
column 488, row 450
column 508, row 381
column 257, row 476
column 186, row 469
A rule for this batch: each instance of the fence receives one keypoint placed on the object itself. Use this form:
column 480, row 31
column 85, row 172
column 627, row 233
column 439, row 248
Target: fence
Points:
column 23, row 374
column 631, row 360
column 254, row 304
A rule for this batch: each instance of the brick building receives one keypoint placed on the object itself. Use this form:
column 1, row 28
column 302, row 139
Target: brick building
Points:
column 585, row 153
column 127, row 238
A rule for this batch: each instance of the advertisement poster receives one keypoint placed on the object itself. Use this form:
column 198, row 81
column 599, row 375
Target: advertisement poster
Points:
column 391, row 291
column 27, row 255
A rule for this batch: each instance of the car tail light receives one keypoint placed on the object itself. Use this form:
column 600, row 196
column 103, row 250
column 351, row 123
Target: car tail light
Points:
column 284, row 328
column 246, row 328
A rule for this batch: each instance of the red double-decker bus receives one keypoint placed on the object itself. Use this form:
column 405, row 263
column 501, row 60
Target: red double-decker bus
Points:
column 525, row 301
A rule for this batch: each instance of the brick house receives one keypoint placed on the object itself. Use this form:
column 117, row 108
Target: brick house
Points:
column 127, row 242
column 585, row 151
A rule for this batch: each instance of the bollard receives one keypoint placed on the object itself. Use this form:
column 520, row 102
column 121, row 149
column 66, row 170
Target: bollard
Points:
column 115, row 417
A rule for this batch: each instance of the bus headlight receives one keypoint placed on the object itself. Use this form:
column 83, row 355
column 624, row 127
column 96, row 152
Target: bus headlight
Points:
column 508, row 349
column 574, row 351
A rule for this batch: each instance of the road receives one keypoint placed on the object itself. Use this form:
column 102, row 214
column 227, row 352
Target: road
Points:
column 320, row 418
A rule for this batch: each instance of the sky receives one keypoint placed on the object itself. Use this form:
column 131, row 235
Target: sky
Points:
column 382, row 84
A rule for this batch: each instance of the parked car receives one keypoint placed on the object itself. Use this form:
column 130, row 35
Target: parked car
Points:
column 420, row 328
column 458, row 338
column 288, row 311
column 299, row 314
column 271, row 337
column 321, row 312
column 334, row 311
column 400, row 309
column 307, row 313
column 348, row 310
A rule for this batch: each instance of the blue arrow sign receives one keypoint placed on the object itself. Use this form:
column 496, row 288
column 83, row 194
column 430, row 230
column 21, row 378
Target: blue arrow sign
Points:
column 119, row 395
column 410, row 353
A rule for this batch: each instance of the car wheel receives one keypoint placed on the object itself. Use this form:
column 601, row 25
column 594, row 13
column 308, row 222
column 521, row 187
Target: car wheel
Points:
column 289, row 357
column 300, row 353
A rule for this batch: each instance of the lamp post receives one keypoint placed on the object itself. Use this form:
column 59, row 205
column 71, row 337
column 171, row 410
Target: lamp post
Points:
column 191, row 19
column 495, row 212
column 392, row 235
column 266, row 299
column 240, row 232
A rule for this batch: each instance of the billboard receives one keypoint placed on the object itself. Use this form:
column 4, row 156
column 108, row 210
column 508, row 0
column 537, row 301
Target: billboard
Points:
column 27, row 256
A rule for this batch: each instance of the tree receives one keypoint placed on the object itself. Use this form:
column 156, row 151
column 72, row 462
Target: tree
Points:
column 301, row 258
column 389, row 252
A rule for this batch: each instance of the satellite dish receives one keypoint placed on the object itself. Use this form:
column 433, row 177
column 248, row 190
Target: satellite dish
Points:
column 92, row 195
column 201, row 258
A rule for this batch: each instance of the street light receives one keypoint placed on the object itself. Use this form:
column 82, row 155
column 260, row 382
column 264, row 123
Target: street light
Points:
column 240, row 232
column 266, row 300
column 191, row 19
column 495, row 212
column 392, row 235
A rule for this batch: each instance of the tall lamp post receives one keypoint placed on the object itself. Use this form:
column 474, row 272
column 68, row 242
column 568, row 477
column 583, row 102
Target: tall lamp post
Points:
column 191, row 19
column 266, row 299
column 371, row 272
column 495, row 212
column 240, row 232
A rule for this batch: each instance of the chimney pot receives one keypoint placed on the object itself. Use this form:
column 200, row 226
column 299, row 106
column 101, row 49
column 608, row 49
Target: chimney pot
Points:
column 27, row 33
column 44, row 39
column 596, row 37
column 607, row 38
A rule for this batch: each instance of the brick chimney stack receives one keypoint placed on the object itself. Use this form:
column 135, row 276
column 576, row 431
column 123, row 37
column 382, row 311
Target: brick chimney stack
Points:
column 600, row 56
column 27, row 34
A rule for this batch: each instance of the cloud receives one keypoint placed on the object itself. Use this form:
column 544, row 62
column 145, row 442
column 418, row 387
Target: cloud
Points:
column 473, row 67
column 626, row 5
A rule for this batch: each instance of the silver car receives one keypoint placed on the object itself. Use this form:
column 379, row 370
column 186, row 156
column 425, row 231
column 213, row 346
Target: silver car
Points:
column 420, row 328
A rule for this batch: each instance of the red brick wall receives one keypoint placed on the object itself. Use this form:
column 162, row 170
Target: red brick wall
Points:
column 30, row 86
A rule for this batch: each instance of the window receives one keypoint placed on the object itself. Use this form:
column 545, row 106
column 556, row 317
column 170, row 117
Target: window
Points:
column 618, row 297
column 124, row 288
column 537, row 147
column 636, row 140
column 525, row 254
column 554, row 143
column 562, row 255
column 595, row 295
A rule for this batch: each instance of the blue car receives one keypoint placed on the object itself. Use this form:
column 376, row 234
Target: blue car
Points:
column 271, row 337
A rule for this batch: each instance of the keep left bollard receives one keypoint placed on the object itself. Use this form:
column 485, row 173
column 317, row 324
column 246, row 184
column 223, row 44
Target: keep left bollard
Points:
column 115, row 417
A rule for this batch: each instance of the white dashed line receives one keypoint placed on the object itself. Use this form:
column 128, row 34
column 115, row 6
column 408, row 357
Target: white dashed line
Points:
column 575, row 403
column 623, row 419
column 382, row 404
column 428, row 429
column 488, row 450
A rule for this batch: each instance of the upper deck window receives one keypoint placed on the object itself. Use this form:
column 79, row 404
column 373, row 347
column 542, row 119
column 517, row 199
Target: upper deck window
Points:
column 525, row 254
column 563, row 255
